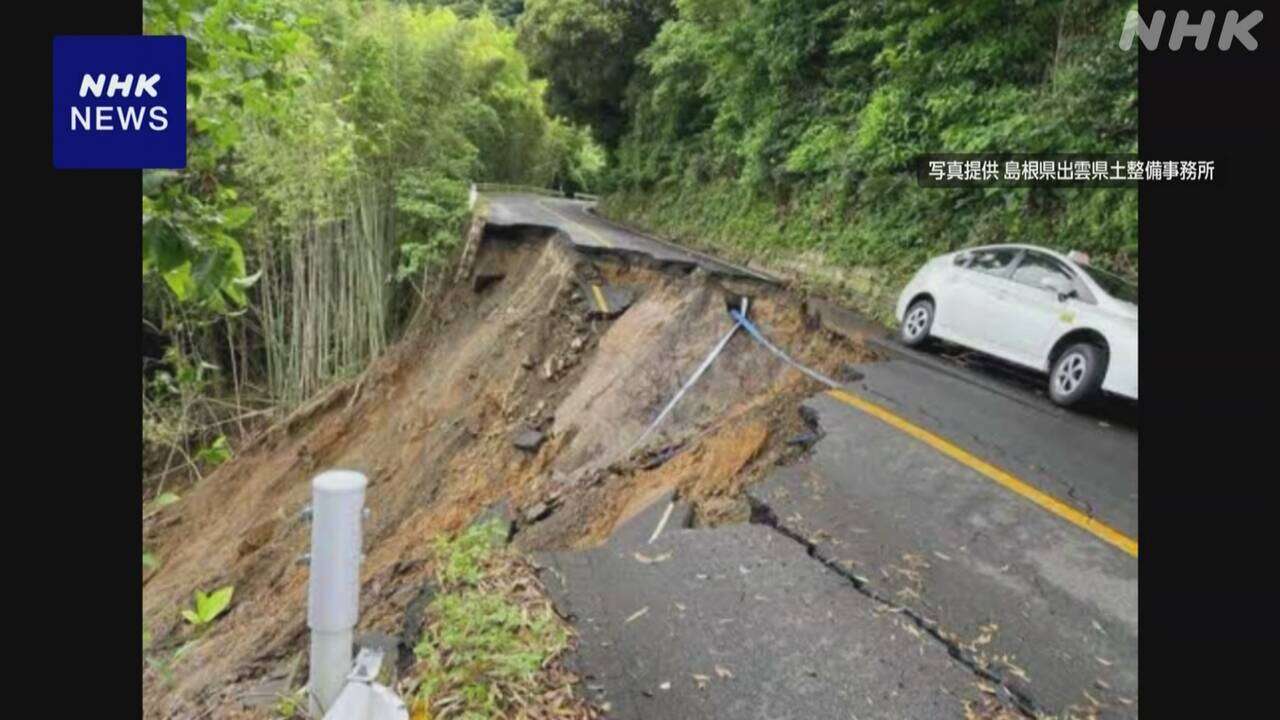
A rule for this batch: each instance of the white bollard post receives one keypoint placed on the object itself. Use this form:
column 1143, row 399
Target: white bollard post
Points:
column 337, row 501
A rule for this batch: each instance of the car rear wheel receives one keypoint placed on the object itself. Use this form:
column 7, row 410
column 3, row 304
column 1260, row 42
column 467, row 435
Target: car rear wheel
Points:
column 1077, row 374
column 916, row 323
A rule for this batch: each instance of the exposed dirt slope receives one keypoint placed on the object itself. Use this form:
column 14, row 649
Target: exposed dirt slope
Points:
column 432, row 423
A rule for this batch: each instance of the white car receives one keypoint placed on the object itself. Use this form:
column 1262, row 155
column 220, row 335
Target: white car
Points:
column 1033, row 307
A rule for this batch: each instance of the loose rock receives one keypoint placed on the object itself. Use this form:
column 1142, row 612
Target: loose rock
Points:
column 848, row 373
column 537, row 512
column 529, row 440
column 805, row 439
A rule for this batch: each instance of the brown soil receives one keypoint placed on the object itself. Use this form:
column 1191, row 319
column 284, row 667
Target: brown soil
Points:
column 431, row 424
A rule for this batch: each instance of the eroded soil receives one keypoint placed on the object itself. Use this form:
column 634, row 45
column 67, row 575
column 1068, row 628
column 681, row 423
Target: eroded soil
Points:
column 509, row 348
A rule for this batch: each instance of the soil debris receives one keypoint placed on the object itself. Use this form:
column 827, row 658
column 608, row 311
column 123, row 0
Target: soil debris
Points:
column 447, row 424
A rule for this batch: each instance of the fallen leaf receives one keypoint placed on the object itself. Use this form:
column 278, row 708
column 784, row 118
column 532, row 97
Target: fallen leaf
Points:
column 637, row 614
column 701, row 681
column 723, row 672
column 1018, row 672
column 656, row 559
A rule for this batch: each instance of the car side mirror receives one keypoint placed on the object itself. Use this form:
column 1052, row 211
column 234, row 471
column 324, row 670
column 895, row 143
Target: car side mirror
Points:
column 1058, row 286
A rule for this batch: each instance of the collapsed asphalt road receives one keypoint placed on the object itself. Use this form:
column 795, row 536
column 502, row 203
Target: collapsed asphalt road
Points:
column 993, row 533
column 588, row 230
column 873, row 555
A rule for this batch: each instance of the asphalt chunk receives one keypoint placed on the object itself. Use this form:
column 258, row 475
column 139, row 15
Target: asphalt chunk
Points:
column 607, row 301
column 738, row 621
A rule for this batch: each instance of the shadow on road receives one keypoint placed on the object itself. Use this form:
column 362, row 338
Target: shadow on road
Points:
column 1109, row 409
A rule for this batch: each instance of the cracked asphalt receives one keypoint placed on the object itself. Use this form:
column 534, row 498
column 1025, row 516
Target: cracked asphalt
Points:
column 1048, row 608
column 739, row 622
column 880, row 577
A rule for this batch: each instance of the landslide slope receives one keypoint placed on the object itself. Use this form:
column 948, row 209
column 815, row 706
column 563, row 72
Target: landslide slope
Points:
column 513, row 346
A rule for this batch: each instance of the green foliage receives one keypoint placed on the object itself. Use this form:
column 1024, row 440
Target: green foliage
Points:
column 330, row 145
column 290, row 705
column 161, row 501
column 789, row 128
column 478, row 642
column 184, row 377
column 483, row 649
column 460, row 560
column 209, row 606
column 588, row 50
column 194, row 220
column 215, row 453
column 505, row 11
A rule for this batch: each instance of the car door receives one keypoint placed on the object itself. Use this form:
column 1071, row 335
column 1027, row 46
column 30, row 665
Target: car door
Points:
column 1037, row 315
column 978, row 301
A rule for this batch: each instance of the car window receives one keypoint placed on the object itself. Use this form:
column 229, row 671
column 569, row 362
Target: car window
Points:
column 1114, row 285
column 995, row 262
column 1035, row 267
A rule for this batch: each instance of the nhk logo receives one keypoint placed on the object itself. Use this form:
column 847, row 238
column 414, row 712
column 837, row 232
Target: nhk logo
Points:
column 100, row 117
column 119, row 101
column 1234, row 28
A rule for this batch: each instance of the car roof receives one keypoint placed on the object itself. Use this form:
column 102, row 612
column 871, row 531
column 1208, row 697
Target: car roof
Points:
column 1087, row 279
column 1022, row 246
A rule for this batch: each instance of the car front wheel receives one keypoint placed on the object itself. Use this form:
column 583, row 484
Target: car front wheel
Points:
column 916, row 323
column 1077, row 374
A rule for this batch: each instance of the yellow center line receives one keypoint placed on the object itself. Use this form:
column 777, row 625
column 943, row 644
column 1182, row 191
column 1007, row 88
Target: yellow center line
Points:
column 1048, row 502
column 597, row 236
column 604, row 306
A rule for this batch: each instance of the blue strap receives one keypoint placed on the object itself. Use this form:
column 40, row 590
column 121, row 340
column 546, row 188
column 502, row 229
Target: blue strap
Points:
column 755, row 333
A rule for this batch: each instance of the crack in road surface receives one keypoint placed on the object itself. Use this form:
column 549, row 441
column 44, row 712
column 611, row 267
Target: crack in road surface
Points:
column 763, row 514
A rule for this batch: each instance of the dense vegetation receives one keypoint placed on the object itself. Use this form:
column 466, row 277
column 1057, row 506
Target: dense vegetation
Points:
column 331, row 143
column 787, row 129
column 330, row 148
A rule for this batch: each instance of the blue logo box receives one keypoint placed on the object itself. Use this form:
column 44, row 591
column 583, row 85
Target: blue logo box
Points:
column 119, row 101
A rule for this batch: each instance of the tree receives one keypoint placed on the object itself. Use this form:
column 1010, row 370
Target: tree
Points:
column 587, row 49
column 330, row 148
column 795, row 124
